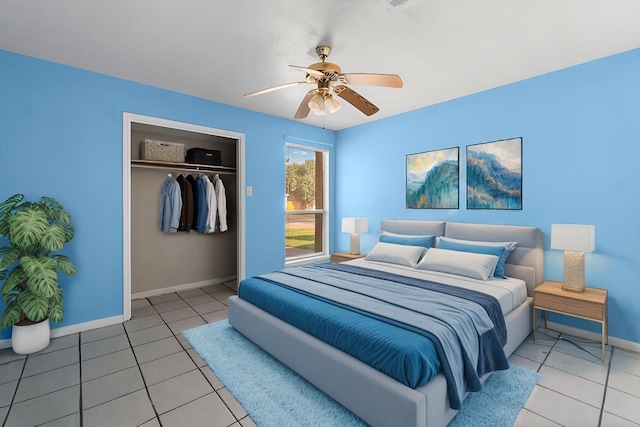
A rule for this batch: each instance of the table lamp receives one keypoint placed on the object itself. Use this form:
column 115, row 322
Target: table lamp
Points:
column 355, row 226
column 575, row 240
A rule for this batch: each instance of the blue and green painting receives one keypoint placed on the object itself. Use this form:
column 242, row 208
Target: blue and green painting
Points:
column 494, row 175
column 433, row 179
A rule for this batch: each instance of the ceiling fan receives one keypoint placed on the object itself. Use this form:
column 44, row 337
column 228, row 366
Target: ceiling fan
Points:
column 328, row 77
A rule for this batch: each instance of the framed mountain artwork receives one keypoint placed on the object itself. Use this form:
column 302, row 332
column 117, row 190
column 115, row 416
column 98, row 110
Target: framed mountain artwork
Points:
column 433, row 179
column 494, row 175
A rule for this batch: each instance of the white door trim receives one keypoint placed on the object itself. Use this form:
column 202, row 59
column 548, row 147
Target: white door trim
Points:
column 127, row 119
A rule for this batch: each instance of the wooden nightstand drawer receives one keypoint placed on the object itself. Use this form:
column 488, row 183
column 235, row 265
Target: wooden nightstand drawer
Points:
column 590, row 304
column 345, row 256
column 567, row 305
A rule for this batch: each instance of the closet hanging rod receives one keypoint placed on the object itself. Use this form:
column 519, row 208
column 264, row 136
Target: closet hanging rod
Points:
column 203, row 169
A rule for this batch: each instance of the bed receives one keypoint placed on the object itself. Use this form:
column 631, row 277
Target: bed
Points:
column 374, row 396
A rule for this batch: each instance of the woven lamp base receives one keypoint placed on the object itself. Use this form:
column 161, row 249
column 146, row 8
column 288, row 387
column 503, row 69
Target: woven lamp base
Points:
column 354, row 244
column 573, row 271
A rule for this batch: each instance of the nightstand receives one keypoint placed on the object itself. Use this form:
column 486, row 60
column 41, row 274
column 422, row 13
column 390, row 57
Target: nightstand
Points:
column 345, row 256
column 590, row 305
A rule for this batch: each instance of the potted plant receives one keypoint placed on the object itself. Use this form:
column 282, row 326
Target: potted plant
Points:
column 31, row 233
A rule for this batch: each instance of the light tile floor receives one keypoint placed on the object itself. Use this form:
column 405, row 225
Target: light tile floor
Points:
column 144, row 373
column 576, row 389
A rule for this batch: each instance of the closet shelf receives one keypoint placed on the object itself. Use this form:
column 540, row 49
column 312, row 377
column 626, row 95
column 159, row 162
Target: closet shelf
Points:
column 188, row 167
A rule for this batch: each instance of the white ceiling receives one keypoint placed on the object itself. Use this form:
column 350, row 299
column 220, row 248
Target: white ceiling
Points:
column 220, row 50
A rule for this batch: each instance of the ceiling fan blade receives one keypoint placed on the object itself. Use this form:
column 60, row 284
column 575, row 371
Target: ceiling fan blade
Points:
column 355, row 99
column 303, row 109
column 371, row 79
column 314, row 73
column 269, row 89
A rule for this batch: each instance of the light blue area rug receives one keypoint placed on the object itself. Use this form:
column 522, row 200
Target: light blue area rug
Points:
column 500, row 401
column 274, row 395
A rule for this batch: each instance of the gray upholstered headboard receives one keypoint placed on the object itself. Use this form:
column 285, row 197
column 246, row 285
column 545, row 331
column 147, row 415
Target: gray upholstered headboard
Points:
column 525, row 263
column 405, row 226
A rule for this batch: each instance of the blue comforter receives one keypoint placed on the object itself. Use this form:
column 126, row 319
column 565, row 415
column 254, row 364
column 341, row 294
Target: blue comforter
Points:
column 383, row 319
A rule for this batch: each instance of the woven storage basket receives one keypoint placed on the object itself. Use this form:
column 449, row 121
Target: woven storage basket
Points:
column 152, row 149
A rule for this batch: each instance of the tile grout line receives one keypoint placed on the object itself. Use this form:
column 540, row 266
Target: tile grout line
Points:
column 185, row 350
column 538, row 371
column 101, row 376
column 606, row 384
column 552, row 347
column 576, row 341
column 606, row 387
column 144, row 381
column 15, row 392
column 548, row 353
column 110, row 373
column 227, row 406
column 79, row 386
column 239, row 420
column 80, row 379
column 206, row 323
column 13, row 402
column 78, row 345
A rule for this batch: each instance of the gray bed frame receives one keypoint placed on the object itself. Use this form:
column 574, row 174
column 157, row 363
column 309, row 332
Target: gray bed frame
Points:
column 376, row 398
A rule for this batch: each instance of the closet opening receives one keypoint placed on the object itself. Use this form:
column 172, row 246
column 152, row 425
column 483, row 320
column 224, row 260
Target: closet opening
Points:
column 164, row 253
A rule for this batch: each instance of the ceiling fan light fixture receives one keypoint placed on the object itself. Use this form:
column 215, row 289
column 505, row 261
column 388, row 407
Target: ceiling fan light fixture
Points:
column 328, row 77
column 316, row 104
column 332, row 104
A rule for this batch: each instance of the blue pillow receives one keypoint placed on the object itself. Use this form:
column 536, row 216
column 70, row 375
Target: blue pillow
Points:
column 498, row 251
column 426, row 241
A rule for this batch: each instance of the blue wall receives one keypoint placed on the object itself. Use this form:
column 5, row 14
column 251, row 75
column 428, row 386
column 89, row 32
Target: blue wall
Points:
column 61, row 136
column 581, row 146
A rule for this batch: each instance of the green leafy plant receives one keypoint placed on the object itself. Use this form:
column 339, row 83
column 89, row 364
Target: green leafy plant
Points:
column 31, row 232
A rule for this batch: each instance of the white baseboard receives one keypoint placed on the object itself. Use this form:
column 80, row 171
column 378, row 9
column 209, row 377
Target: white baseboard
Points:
column 108, row 321
column 180, row 288
column 594, row 336
column 78, row 327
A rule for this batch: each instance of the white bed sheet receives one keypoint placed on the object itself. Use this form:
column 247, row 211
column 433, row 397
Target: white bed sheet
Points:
column 509, row 292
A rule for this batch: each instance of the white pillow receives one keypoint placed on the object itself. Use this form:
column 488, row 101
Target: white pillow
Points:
column 508, row 248
column 468, row 264
column 396, row 254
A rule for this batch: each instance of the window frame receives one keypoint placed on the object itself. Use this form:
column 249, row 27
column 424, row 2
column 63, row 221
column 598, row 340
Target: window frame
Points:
column 324, row 253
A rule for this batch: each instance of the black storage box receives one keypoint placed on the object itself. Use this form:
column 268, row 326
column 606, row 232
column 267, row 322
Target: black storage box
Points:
column 203, row 156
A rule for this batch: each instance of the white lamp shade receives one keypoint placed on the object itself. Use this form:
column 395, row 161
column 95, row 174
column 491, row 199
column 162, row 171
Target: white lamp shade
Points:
column 316, row 104
column 573, row 237
column 354, row 225
column 332, row 104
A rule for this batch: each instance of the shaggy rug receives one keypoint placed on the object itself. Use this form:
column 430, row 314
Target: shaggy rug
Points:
column 274, row 395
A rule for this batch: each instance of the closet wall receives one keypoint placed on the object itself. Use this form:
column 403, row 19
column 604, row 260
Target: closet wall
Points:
column 166, row 260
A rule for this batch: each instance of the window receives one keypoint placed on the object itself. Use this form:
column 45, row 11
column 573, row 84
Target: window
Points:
column 306, row 217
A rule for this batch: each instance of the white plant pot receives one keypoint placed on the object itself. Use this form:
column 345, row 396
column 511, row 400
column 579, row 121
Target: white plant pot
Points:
column 30, row 338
